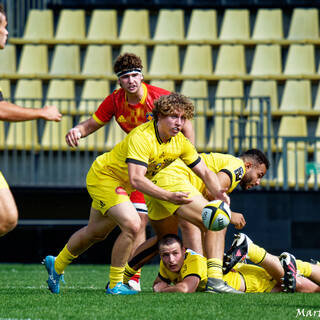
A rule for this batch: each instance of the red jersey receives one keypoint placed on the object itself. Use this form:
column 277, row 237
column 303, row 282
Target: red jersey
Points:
column 128, row 115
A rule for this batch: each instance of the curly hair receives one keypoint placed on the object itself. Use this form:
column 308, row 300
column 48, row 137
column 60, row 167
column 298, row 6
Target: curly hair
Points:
column 2, row 11
column 127, row 61
column 257, row 156
column 168, row 104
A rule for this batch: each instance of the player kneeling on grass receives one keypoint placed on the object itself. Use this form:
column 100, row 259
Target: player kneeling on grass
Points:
column 183, row 270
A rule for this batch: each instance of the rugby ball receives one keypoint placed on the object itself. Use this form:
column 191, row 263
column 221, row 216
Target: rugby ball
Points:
column 216, row 215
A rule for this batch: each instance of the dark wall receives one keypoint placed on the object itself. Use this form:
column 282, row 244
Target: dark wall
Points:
column 278, row 221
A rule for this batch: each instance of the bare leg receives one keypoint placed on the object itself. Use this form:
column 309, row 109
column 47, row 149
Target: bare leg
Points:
column 141, row 236
column 8, row 211
column 191, row 236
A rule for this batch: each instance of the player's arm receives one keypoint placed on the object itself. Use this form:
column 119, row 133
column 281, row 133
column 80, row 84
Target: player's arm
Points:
column 82, row 130
column 211, row 181
column 188, row 131
column 13, row 112
column 140, row 182
column 188, row 285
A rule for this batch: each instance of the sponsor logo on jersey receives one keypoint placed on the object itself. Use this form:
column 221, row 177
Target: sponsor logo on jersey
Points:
column 238, row 173
column 149, row 116
column 121, row 119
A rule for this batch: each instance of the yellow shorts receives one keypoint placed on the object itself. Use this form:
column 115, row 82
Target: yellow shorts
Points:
column 256, row 278
column 233, row 279
column 106, row 191
column 3, row 182
column 159, row 209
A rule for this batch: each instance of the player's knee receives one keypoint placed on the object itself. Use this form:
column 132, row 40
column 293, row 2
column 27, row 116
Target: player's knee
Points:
column 8, row 222
column 133, row 228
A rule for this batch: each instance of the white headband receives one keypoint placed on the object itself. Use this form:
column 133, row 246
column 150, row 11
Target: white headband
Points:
column 128, row 71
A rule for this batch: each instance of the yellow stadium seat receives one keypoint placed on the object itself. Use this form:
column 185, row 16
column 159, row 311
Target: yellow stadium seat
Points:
column 98, row 60
column 103, row 25
column 54, row 134
column 71, row 25
column 262, row 88
column 95, row 141
column 5, row 88
column 96, row 91
column 266, row 60
column 140, row 51
column 300, row 60
column 170, row 25
column 197, row 90
column 304, row 24
column 198, row 60
column 66, row 60
column 235, row 24
column 164, row 84
column 165, row 60
column 39, row 24
column 135, row 25
column 203, row 25
column 268, row 25
column 317, row 100
column 62, row 94
column 115, row 134
column 229, row 96
column 8, row 59
column 29, row 93
column 296, row 96
column 231, row 60
column 34, row 59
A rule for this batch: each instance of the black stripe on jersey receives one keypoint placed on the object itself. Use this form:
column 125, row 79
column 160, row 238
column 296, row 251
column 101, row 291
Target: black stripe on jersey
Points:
column 1, row 96
column 164, row 279
column 157, row 132
column 228, row 173
column 194, row 163
column 141, row 163
column 192, row 275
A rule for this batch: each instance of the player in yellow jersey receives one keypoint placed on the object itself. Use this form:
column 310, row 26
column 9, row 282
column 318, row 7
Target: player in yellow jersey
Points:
column 132, row 163
column 12, row 112
column 247, row 171
column 183, row 270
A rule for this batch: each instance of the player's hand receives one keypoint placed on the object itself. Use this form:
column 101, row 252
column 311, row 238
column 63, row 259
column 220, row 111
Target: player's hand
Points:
column 238, row 220
column 222, row 195
column 51, row 113
column 73, row 137
column 180, row 198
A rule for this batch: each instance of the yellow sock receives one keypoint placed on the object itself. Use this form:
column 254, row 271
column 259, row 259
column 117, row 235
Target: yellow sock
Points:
column 115, row 276
column 304, row 268
column 64, row 258
column 128, row 273
column 214, row 268
column 256, row 254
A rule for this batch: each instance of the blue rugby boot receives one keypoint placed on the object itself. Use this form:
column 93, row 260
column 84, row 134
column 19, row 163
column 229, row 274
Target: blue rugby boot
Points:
column 54, row 278
column 120, row 289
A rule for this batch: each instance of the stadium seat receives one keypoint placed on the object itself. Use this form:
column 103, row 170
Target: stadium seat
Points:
column 198, row 60
column 266, row 60
column 164, row 84
column 165, row 60
column 317, row 99
column 66, row 60
column 29, row 93
column 262, row 88
column 235, row 24
column 54, row 133
column 139, row 50
column 135, row 25
column 39, row 25
column 296, row 96
column 170, row 25
column 103, row 25
column 71, row 25
column 115, row 134
column 95, row 141
column 268, row 25
column 300, row 60
column 197, row 90
column 203, row 25
column 98, row 60
column 62, row 94
column 304, row 24
column 8, row 59
column 93, row 93
column 231, row 60
column 5, row 88
column 229, row 96
column 34, row 59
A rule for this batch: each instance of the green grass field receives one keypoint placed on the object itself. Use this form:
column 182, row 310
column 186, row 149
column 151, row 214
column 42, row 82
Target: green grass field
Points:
column 24, row 295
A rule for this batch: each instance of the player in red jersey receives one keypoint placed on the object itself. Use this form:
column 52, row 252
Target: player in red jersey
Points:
column 131, row 105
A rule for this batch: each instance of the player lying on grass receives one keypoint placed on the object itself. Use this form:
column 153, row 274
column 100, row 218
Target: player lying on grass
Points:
column 183, row 270
column 247, row 171
column 131, row 164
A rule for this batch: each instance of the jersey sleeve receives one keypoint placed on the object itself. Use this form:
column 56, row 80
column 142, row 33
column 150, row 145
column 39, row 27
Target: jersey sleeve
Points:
column 235, row 170
column 193, row 266
column 105, row 111
column 189, row 153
